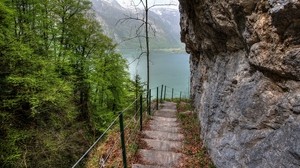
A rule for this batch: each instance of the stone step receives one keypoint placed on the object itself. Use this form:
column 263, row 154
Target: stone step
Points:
column 160, row 158
column 146, row 166
column 159, row 135
column 162, row 119
column 163, row 145
column 166, row 113
column 169, row 105
column 166, row 110
column 163, row 128
column 163, row 138
column 164, row 123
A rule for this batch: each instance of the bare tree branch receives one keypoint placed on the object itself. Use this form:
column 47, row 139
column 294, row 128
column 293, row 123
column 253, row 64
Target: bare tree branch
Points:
column 144, row 5
column 137, row 58
column 153, row 29
column 138, row 33
column 139, row 28
column 160, row 5
column 128, row 18
column 128, row 39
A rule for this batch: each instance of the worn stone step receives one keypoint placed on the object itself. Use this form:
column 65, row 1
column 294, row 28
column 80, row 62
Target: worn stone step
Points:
column 162, row 119
column 163, row 145
column 163, row 138
column 146, row 166
column 164, row 128
column 169, row 105
column 158, row 114
column 167, row 110
column 160, row 158
column 164, row 123
column 163, row 135
column 166, row 113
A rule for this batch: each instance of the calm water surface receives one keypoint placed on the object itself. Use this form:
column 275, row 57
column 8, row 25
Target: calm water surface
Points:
column 167, row 68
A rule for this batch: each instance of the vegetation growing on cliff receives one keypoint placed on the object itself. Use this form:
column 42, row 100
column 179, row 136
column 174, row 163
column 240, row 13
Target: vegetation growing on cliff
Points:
column 195, row 152
column 61, row 81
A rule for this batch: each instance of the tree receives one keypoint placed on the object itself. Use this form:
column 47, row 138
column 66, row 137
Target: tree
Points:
column 145, row 22
column 55, row 66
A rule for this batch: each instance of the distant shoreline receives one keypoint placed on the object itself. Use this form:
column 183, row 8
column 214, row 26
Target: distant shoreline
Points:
column 173, row 50
column 176, row 50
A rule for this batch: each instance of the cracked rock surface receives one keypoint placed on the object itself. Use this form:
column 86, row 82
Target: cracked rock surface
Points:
column 245, row 79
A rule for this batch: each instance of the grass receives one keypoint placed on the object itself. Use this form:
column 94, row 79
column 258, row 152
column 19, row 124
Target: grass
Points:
column 196, row 155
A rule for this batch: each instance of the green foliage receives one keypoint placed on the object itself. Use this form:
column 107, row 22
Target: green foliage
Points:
column 61, row 82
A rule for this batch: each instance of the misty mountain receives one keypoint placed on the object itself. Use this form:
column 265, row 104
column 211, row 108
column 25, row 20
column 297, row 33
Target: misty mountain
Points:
column 164, row 33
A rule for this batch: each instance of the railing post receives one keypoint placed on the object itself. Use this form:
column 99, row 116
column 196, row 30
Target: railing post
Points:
column 122, row 140
column 180, row 97
column 141, row 112
column 136, row 93
column 136, row 105
column 157, row 98
column 172, row 93
column 147, row 101
column 161, row 93
column 149, row 104
column 165, row 92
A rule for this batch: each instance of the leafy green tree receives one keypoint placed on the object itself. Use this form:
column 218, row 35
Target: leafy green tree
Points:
column 61, row 81
column 32, row 94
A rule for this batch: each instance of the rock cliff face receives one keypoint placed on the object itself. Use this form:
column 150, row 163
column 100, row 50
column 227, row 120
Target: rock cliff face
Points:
column 245, row 79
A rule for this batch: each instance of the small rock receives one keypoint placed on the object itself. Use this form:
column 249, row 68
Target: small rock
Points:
column 296, row 109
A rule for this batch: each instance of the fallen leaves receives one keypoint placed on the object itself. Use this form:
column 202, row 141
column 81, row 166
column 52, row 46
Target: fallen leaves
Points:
column 195, row 153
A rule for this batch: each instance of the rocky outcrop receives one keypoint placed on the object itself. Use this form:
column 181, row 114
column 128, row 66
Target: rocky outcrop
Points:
column 245, row 79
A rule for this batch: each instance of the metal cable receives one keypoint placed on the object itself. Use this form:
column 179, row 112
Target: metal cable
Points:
column 114, row 121
column 116, row 142
column 111, row 149
column 110, row 152
column 132, row 131
column 131, row 104
column 129, row 136
column 133, row 118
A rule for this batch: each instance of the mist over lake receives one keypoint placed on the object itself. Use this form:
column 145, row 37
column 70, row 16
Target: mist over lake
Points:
column 170, row 68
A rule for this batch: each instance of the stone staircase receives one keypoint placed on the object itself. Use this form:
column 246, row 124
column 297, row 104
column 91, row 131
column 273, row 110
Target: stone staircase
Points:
column 163, row 140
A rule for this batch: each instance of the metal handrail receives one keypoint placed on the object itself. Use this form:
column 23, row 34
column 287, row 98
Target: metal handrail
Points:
column 79, row 160
column 102, row 135
column 120, row 117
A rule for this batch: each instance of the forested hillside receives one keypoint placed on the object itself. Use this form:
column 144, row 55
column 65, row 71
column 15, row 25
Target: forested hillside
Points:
column 164, row 21
column 61, row 81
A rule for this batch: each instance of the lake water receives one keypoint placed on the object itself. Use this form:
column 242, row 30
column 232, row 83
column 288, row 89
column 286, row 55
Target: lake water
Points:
column 166, row 68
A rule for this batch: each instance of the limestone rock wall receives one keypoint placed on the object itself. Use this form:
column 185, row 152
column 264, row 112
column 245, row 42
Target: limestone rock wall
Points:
column 245, row 79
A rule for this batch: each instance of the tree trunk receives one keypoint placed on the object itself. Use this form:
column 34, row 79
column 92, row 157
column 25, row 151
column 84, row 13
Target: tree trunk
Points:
column 148, row 50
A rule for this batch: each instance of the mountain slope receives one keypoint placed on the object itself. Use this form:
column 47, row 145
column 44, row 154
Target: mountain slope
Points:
column 164, row 22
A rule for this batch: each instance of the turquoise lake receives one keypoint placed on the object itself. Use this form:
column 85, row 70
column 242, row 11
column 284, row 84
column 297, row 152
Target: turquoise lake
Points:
column 166, row 68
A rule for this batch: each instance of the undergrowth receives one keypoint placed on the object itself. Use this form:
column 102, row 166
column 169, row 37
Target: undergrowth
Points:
column 195, row 153
column 109, row 152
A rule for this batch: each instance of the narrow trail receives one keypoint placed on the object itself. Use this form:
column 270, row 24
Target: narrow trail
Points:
column 163, row 140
